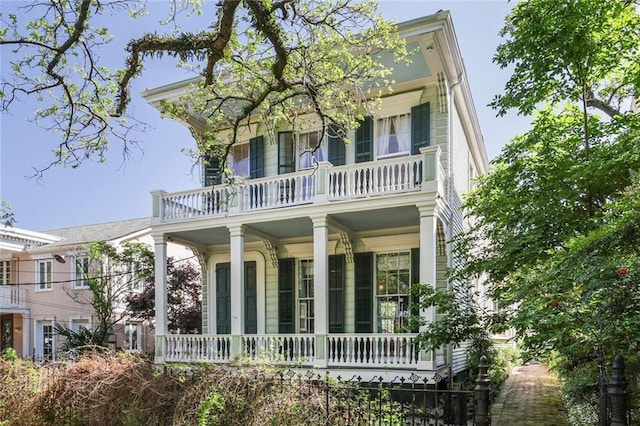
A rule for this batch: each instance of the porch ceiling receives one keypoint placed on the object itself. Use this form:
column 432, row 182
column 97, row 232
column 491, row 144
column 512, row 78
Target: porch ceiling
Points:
column 302, row 226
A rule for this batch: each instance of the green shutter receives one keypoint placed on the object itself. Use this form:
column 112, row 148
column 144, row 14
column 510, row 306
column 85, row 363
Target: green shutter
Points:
column 211, row 171
column 286, row 296
column 363, row 263
column 364, row 141
column 419, row 127
column 223, row 298
column 250, row 298
column 256, row 157
column 415, row 279
column 336, row 293
column 337, row 149
column 286, row 157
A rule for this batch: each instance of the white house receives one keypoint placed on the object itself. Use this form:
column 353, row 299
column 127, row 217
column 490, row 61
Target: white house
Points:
column 311, row 265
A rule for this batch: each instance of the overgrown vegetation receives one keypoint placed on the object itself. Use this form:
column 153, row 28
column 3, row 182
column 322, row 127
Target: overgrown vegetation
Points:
column 122, row 389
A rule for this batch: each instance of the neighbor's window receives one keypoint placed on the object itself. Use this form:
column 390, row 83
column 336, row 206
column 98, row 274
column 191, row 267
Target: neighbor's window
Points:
column 81, row 269
column 44, row 275
column 5, row 272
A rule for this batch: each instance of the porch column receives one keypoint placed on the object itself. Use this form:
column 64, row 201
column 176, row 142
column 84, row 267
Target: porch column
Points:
column 26, row 336
column 428, row 232
column 161, row 294
column 321, row 287
column 237, row 283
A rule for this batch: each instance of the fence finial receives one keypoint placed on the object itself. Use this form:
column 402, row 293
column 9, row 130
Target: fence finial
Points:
column 618, row 393
column 482, row 390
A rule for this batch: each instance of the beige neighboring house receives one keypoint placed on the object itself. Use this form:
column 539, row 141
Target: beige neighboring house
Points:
column 45, row 271
column 310, row 260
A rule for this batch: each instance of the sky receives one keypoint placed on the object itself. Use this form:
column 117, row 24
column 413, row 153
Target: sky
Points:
column 120, row 190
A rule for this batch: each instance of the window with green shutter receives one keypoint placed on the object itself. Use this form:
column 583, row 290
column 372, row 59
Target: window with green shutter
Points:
column 256, row 157
column 364, row 141
column 286, row 296
column 363, row 263
column 336, row 293
column 337, row 149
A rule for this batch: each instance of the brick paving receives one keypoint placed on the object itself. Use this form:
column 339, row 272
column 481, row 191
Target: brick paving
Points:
column 531, row 396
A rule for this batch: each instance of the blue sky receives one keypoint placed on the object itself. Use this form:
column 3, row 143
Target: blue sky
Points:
column 118, row 190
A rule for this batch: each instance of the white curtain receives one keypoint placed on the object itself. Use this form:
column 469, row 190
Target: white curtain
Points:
column 395, row 134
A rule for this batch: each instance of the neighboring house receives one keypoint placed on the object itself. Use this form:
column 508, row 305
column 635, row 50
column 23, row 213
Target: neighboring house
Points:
column 311, row 265
column 47, row 286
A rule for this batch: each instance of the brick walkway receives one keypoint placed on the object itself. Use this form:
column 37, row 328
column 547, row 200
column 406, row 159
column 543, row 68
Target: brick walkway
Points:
column 531, row 396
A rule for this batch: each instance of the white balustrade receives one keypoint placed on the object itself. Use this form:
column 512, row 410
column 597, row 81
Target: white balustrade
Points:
column 196, row 203
column 197, row 348
column 280, row 348
column 12, row 296
column 375, row 178
column 286, row 190
column 364, row 350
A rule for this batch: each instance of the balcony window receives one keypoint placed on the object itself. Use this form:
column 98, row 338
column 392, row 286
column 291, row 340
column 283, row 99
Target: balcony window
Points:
column 286, row 160
column 394, row 135
column 312, row 149
column 238, row 160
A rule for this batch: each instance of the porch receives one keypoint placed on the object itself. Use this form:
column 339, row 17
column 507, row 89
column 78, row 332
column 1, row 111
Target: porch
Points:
column 336, row 351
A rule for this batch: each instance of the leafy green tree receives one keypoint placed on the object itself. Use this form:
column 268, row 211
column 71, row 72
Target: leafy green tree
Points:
column 112, row 275
column 551, row 191
column 285, row 58
column 184, row 298
column 7, row 217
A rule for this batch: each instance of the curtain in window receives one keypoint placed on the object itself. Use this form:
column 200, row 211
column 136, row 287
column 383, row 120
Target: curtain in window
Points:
column 307, row 143
column 395, row 134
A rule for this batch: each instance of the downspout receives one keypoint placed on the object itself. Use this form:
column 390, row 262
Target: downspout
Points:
column 449, row 196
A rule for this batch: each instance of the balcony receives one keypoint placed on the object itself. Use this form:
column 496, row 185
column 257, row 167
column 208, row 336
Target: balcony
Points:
column 12, row 298
column 325, row 184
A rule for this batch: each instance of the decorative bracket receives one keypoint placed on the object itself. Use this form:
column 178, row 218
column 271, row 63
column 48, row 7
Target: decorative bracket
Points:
column 271, row 248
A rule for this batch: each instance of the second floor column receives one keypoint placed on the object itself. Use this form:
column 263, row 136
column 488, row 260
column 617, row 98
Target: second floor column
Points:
column 236, row 234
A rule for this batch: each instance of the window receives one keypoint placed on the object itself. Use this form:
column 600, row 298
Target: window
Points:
column 81, row 269
column 210, row 171
column 132, row 336
column 238, row 160
column 134, row 278
column 394, row 135
column 336, row 147
column 286, row 161
column 5, row 272
column 79, row 323
column 312, row 149
column 305, row 297
column 44, row 275
column 45, row 343
column 392, row 291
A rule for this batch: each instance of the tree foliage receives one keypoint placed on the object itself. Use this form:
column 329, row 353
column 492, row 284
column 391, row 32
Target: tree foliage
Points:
column 184, row 298
column 269, row 60
column 549, row 229
column 113, row 274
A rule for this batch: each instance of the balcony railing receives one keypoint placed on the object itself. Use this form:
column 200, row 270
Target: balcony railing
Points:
column 335, row 351
column 322, row 185
column 12, row 297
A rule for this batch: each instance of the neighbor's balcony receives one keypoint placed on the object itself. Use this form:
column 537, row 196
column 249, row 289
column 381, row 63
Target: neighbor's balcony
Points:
column 12, row 297
column 392, row 351
column 326, row 184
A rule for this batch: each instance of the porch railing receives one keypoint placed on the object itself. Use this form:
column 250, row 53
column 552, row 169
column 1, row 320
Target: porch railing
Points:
column 324, row 184
column 335, row 350
column 12, row 296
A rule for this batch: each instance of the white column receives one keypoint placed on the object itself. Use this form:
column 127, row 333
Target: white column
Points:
column 26, row 336
column 428, row 232
column 237, row 279
column 321, row 274
column 161, row 293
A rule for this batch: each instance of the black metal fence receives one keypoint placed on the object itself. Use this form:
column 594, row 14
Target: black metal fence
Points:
column 614, row 407
column 403, row 401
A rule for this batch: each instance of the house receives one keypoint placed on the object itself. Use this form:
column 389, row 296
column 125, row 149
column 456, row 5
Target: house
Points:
column 311, row 264
column 44, row 284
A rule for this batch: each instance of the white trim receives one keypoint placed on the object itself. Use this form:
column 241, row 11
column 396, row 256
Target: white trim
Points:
column 38, row 284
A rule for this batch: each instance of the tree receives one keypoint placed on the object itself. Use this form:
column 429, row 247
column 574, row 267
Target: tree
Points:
column 285, row 58
column 111, row 276
column 548, row 202
column 184, row 298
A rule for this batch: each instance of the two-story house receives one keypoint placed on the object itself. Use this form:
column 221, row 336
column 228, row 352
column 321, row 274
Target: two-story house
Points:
column 45, row 283
column 310, row 256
